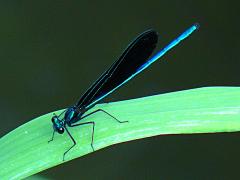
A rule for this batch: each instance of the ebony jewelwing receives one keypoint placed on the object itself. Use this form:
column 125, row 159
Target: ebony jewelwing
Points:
column 134, row 59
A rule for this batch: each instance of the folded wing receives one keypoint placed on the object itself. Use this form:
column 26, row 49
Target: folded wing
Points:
column 132, row 60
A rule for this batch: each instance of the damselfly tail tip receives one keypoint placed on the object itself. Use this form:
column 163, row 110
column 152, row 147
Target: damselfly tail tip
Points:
column 197, row 25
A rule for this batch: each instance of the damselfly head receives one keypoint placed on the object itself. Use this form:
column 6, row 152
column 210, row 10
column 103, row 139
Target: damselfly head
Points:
column 58, row 125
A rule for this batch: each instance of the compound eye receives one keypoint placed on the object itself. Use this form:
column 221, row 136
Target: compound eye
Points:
column 54, row 119
column 60, row 130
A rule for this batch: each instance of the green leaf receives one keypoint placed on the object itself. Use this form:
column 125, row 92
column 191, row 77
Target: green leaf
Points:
column 26, row 151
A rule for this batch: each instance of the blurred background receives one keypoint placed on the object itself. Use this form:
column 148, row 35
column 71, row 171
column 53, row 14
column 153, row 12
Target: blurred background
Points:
column 52, row 51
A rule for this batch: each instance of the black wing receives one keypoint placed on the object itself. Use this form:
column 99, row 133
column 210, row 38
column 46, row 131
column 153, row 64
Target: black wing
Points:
column 127, row 66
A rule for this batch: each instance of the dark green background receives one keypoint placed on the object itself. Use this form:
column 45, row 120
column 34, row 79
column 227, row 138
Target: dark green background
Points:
column 51, row 52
